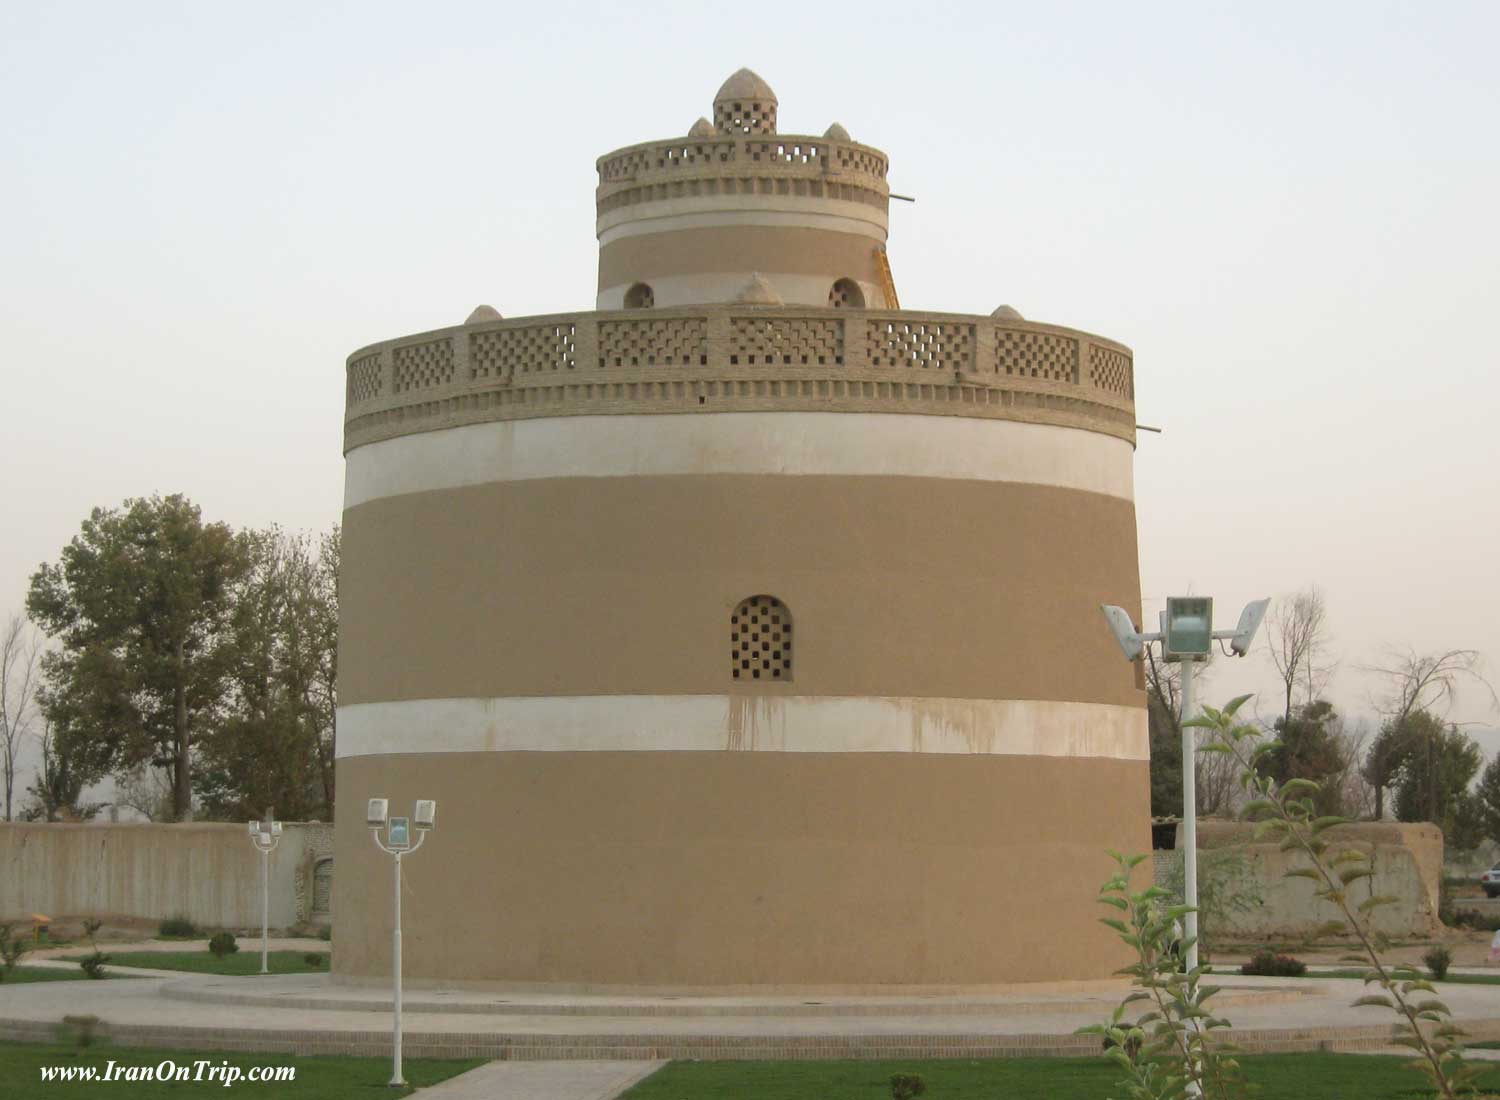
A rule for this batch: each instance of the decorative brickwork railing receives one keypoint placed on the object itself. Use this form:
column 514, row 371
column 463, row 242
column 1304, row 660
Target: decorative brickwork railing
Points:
column 787, row 164
column 738, row 359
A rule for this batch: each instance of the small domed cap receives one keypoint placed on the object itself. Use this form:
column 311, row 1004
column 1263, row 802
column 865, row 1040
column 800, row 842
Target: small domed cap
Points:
column 484, row 313
column 745, row 105
column 757, row 292
column 702, row 129
column 1007, row 313
column 837, row 133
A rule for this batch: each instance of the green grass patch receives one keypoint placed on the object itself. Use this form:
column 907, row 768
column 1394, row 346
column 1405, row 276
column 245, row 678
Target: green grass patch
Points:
column 321, row 1077
column 243, row 963
column 1451, row 979
column 21, row 975
column 1278, row 1076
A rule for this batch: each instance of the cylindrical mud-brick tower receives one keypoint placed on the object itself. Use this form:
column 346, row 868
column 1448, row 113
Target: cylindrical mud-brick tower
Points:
column 746, row 630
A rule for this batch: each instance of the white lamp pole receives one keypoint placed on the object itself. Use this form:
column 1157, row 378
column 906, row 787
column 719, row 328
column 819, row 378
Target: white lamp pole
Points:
column 1187, row 637
column 265, row 835
column 1189, row 815
column 398, row 842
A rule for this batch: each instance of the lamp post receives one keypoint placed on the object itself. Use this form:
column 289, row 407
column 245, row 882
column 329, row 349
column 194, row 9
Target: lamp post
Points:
column 398, row 842
column 1187, row 636
column 265, row 835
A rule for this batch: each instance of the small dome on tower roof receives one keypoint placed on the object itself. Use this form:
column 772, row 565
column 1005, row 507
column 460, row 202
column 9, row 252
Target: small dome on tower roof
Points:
column 837, row 133
column 1007, row 313
column 483, row 313
column 757, row 292
column 745, row 84
column 702, row 129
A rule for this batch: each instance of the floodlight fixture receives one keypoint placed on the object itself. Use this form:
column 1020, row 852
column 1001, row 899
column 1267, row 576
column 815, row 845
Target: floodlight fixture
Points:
column 1250, row 620
column 265, row 835
column 424, row 817
column 1190, row 628
column 1132, row 642
column 1187, row 636
column 399, row 842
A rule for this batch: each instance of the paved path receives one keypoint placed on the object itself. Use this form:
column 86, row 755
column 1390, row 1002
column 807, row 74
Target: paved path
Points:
column 543, row 1081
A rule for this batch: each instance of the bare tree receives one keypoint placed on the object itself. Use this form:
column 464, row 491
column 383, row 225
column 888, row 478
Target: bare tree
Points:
column 1418, row 683
column 20, row 649
column 1297, row 640
column 1428, row 681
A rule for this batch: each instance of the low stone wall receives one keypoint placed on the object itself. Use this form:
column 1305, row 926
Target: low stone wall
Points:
column 207, row 872
column 1247, row 896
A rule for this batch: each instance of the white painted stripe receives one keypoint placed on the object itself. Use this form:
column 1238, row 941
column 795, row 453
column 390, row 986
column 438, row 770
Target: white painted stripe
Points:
column 760, row 211
column 761, row 723
column 787, row 443
column 671, row 291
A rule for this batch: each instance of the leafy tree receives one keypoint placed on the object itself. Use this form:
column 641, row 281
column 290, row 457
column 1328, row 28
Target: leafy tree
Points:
column 138, row 603
column 1383, row 763
column 58, row 787
column 273, row 744
column 1434, row 782
column 1487, row 796
column 1309, row 745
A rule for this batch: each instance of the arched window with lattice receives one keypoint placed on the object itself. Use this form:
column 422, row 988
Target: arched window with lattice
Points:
column 845, row 294
column 640, row 296
column 760, row 639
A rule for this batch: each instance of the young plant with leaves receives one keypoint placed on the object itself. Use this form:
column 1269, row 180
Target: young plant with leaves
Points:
column 1287, row 812
column 1168, row 1052
column 93, row 965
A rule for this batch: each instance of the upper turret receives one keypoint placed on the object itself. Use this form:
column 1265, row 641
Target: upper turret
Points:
column 690, row 220
column 745, row 105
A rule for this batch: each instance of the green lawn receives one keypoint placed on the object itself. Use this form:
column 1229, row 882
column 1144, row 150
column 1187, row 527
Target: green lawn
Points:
column 1279, row 1077
column 23, row 974
column 317, row 1078
column 1451, row 979
column 243, row 962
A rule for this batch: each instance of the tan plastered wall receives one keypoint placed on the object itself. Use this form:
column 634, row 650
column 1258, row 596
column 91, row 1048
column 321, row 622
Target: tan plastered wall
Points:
column 1407, row 860
column 741, row 868
column 714, row 250
column 598, row 586
column 207, row 872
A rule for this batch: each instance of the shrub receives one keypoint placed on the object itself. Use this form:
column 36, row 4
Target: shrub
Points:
column 904, row 1086
column 177, row 928
column 1473, row 918
column 93, row 965
column 1271, row 964
column 1438, row 959
column 11, row 950
column 314, row 959
column 223, row 943
column 326, row 932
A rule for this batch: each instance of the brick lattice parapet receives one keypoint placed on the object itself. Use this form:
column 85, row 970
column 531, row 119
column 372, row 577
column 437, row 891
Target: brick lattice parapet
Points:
column 738, row 359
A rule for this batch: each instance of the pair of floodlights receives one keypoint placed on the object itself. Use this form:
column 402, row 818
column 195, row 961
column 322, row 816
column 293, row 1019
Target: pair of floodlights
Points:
column 265, row 833
column 1187, row 632
column 398, row 830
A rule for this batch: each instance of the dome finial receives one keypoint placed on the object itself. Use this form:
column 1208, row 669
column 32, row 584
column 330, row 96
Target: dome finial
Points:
column 745, row 105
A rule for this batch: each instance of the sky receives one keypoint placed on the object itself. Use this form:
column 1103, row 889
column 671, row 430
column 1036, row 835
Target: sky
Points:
column 1287, row 210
